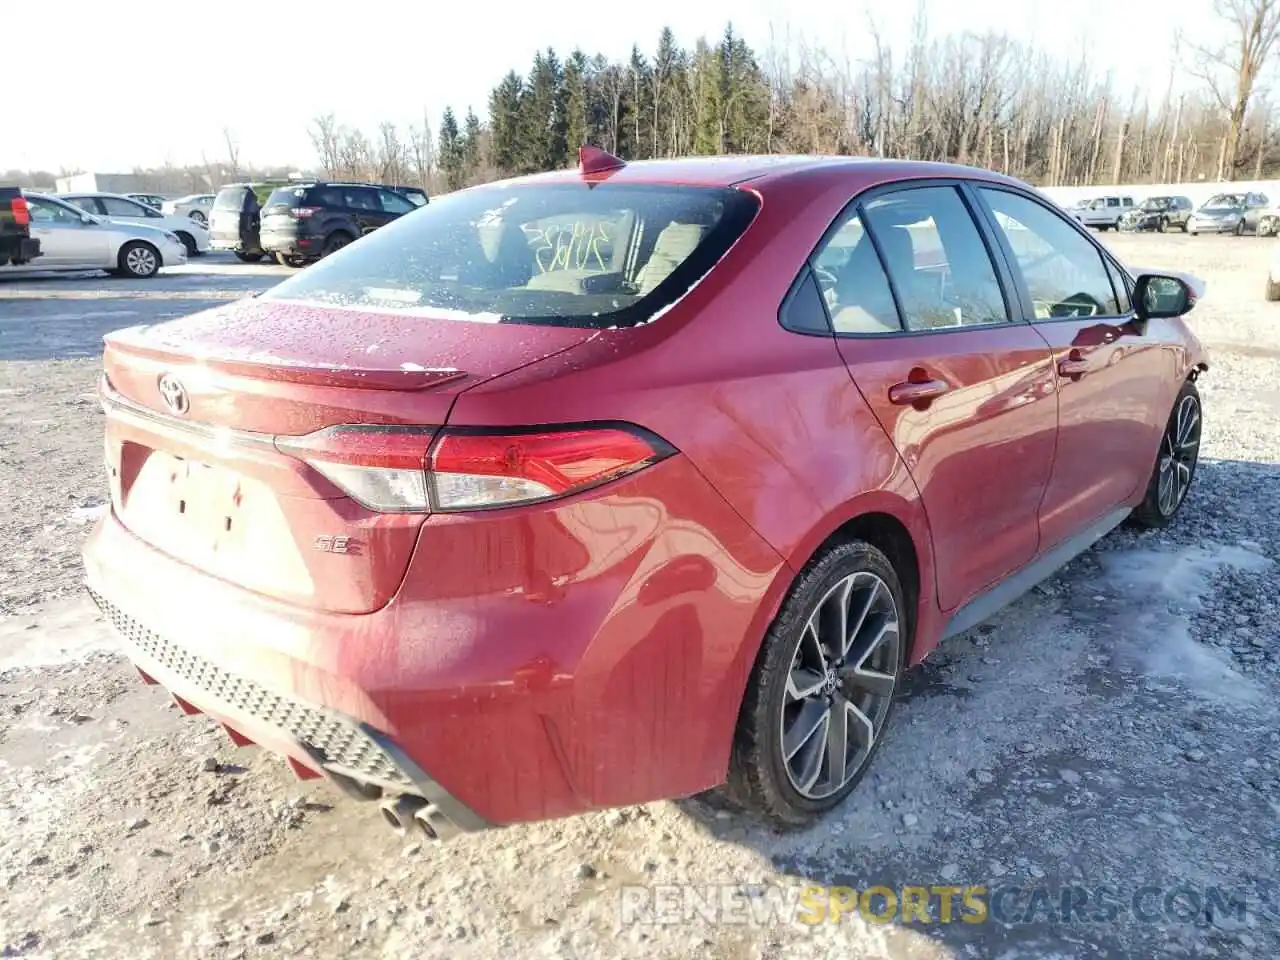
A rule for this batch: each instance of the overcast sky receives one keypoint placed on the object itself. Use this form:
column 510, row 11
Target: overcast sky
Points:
column 111, row 86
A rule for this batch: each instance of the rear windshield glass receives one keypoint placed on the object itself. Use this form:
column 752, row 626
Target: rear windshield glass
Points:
column 284, row 198
column 558, row 254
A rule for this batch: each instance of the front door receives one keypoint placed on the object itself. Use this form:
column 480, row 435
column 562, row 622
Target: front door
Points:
column 1110, row 374
column 66, row 238
column 964, row 392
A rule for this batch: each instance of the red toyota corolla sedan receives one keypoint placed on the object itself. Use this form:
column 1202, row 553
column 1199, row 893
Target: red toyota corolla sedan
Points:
column 626, row 482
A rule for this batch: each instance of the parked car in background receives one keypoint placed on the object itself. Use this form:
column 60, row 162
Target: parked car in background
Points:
column 1236, row 213
column 196, row 206
column 1102, row 213
column 492, row 515
column 74, row 239
column 1269, row 221
column 150, row 199
column 235, row 220
column 303, row 222
column 114, row 206
column 1160, row 214
column 17, row 246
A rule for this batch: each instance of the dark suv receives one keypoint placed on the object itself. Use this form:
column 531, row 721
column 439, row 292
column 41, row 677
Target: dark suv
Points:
column 235, row 220
column 305, row 221
column 1159, row 213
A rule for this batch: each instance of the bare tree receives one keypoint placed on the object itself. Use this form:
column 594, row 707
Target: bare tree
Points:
column 1232, row 68
column 422, row 152
column 233, row 153
column 326, row 139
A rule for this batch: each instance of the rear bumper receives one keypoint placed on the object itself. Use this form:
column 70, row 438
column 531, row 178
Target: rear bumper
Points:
column 291, row 245
column 19, row 249
column 235, row 242
column 535, row 663
column 316, row 740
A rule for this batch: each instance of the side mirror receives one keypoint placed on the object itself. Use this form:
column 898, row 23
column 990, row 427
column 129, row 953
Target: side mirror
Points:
column 1158, row 297
column 88, row 219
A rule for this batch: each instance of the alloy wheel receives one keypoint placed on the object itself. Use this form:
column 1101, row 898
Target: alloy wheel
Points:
column 1178, row 454
column 141, row 261
column 841, row 683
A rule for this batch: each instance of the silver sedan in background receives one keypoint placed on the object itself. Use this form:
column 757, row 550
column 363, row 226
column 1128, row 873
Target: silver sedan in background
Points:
column 73, row 239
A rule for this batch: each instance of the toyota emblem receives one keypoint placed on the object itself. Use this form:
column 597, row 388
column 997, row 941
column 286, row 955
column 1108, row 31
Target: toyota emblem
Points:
column 174, row 395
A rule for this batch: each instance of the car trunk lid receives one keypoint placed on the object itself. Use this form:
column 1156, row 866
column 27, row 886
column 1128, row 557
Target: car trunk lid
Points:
column 198, row 413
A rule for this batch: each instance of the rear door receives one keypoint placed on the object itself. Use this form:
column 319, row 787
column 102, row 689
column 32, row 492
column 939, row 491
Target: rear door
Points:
column 1110, row 375
column 962, row 387
column 226, row 216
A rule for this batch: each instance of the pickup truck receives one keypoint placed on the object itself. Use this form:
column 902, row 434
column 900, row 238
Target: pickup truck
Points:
column 16, row 244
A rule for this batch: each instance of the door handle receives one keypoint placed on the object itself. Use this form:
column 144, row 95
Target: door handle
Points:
column 1073, row 366
column 911, row 392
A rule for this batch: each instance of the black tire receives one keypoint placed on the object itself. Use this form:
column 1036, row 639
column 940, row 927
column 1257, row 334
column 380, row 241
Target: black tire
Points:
column 760, row 777
column 248, row 257
column 1240, row 229
column 137, row 259
column 1163, row 226
column 1176, row 462
column 335, row 242
column 198, row 216
column 189, row 242
column 1273, row 289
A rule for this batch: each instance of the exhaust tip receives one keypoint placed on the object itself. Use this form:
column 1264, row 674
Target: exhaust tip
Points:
column 399, row 812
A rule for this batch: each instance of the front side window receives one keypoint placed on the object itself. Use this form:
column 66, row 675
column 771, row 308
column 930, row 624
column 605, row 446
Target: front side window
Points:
column 936, row 259
column 853, row 281
column 1064, row 272
column 393, row 202
column 602, row 255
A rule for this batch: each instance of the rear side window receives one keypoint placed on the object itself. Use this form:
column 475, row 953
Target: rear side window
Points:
column 936, row 258
column 231, row 198
column 561, row 254
column 1064, row 272
column 853, row 281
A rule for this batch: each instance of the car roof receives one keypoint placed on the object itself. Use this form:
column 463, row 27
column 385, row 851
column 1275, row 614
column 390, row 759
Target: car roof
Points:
column 728, row 171
column 96, row 193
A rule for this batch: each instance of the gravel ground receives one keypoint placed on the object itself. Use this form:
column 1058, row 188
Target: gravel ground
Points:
column 1116, row 728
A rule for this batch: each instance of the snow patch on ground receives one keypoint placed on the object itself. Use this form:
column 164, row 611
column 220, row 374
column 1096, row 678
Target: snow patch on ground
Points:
column 1158, row 642
column 62, row 633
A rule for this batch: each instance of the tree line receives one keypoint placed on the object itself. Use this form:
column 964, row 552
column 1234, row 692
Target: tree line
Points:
column 976, row 98
column 984, row 99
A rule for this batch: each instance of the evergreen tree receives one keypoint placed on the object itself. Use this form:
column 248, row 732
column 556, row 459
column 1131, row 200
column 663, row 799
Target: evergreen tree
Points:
column 505, row 122
column 452, row 161
column 471, row 145
column 575, row 105
column 542, row 116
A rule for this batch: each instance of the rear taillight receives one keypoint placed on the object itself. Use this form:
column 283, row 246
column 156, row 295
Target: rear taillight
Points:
column 400, row 470
column 302, row 213
column 21, row 212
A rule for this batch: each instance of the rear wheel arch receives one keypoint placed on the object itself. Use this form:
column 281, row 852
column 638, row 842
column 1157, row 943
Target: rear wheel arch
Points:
column 891, row 537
